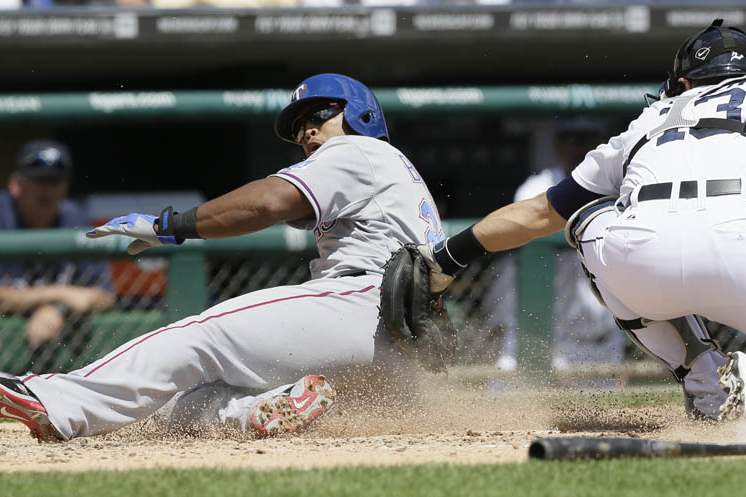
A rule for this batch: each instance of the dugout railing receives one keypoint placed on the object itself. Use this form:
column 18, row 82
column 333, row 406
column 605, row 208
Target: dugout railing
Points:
column 169, row 283
column 242, row 104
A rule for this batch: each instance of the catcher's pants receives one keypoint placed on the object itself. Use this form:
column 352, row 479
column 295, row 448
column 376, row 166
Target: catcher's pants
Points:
column 256, row 341
column 664, row 259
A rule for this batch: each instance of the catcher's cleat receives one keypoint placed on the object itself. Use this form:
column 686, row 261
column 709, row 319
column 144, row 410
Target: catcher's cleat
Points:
column 19, row 404
column 294, row 409
column 731, row 378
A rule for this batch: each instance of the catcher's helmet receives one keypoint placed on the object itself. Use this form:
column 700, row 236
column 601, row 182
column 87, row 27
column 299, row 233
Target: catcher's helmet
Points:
column 716, row 51
column 362, row 111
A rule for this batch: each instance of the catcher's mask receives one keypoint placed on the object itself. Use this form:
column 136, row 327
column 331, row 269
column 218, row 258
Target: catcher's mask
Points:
column 714, row 52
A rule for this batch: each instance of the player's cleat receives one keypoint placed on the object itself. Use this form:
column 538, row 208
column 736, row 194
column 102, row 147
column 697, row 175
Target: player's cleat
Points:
column 19, row 404
column 732, row 379
column 293, row 410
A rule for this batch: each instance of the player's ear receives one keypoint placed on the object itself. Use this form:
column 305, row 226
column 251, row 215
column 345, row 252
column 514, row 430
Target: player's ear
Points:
column 687, row 84
column 346, row 128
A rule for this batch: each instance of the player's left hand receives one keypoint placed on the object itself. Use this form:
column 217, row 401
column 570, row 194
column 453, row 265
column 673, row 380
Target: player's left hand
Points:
column 147, row 230
column 439, row 281
column 413, row 315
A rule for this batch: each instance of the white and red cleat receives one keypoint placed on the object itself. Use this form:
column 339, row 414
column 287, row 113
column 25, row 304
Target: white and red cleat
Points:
column 293, row 410
column 732, row 378
column 19, row 404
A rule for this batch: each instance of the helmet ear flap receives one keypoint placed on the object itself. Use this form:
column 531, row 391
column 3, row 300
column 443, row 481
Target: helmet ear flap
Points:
column 672, row 86
column 359, row 119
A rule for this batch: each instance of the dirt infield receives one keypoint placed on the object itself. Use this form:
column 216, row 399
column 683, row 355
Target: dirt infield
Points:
column 446, row 421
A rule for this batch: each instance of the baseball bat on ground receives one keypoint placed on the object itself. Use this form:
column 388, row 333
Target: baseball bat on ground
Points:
column 570, row 448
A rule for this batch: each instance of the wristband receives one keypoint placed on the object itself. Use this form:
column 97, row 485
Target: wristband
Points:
column 457, row 252
column 179, row 225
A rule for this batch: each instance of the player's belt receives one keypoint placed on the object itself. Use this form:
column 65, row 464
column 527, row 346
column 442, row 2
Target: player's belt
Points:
column 689, row 189
column 356, row 273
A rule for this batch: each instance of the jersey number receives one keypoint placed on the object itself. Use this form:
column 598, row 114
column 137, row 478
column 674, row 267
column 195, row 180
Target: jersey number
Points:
column 732, row 108
column 434, row 232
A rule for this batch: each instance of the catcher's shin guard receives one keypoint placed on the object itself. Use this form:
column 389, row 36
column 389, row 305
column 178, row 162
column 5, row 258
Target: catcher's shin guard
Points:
column 684, row 346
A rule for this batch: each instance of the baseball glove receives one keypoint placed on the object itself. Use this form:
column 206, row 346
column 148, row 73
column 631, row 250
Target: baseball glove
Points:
column 413, row 316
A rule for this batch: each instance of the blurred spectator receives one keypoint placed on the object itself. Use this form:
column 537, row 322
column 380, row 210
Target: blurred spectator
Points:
column 47, row 4
column 583, row 330
column 228, row 4
column 47, row 292
column 133, row 3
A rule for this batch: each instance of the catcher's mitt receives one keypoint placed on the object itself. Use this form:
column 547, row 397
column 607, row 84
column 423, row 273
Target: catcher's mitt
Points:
column 413, row 316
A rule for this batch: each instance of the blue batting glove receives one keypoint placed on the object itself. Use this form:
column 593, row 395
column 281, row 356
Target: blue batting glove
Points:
column 143, row 227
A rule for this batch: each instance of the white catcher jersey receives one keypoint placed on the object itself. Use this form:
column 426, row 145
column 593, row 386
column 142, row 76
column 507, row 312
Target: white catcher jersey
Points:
column 368, row 199
column 677, row 154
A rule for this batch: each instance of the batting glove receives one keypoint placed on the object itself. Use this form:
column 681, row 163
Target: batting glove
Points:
column 148, row 230
column 439, row 281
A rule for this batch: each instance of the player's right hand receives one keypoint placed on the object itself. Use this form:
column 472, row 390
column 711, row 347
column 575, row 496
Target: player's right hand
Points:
column 143, row 227
column 439, row 281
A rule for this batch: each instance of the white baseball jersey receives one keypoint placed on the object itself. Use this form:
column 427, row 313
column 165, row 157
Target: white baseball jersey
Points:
column 678, row 154
column 679, row 256
column 368, row 200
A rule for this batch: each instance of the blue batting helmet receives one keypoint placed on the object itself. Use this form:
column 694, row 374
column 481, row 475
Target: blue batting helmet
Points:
column 362, row 111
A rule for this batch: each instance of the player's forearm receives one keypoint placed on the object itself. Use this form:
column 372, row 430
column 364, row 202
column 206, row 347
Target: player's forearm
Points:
column 252, row 207
column 234, row 213
column 508, row 227
column 517, row 224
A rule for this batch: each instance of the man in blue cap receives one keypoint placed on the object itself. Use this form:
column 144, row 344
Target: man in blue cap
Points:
column 362, row 199
column 47, row 292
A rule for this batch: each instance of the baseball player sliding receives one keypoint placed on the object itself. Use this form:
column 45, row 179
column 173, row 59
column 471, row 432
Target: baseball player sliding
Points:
column 658, row 216
column 362, row 198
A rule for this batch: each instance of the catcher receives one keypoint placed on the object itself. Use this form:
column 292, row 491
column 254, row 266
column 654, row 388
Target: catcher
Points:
column 657, row 217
